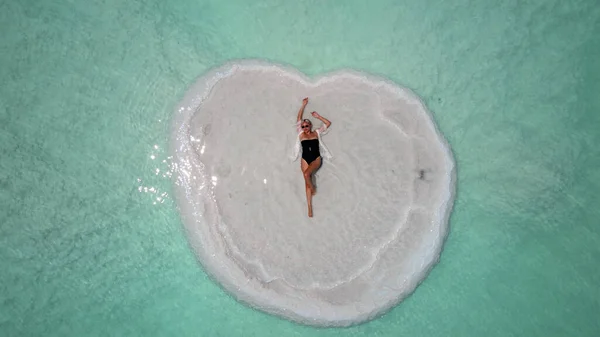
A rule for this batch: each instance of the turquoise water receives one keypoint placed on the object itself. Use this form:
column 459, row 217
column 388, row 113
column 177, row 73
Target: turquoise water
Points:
column 90, row 240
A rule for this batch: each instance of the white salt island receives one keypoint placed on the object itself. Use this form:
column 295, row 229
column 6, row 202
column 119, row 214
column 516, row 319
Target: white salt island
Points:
column 382, row 204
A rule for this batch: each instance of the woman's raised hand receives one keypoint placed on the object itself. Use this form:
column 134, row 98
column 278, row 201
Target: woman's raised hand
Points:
column 305, row 101
column 315, row 114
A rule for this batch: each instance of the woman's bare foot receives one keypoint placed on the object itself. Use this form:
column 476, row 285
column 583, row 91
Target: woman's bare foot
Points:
column 310, row 215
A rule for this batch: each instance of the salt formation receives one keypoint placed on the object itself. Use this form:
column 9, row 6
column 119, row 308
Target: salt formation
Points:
column 380, row 214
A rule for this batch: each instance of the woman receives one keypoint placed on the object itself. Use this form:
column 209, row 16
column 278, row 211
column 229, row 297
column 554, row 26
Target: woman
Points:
column 312, row 149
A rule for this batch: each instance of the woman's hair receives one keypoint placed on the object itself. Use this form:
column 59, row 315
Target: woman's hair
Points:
column 307, row 121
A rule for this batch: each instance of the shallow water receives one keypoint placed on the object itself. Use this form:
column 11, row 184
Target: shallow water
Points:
column 91, row 243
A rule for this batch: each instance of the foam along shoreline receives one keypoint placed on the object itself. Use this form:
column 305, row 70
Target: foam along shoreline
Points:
column 383, row 201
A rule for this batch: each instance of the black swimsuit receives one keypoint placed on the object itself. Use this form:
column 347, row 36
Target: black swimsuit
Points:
column 310, row 150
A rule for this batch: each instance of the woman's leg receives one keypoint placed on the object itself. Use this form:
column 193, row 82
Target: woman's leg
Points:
column 304, row 167
column 308, row 173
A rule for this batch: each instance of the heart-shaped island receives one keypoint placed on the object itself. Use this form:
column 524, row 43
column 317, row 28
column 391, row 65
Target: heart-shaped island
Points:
column 380, row 214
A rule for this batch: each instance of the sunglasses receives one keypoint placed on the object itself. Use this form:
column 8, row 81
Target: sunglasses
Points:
column 305, row 126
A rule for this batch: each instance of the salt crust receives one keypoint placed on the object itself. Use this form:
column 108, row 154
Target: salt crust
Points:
column 383, row 201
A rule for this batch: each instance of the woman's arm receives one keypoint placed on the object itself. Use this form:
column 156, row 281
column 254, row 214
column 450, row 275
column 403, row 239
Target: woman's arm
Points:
column 321, row 118
column 301, row 111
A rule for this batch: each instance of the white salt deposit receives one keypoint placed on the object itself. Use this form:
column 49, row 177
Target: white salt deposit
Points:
column 383, row 201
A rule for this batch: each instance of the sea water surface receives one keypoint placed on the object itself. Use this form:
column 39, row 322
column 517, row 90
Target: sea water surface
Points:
column 91, row 243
